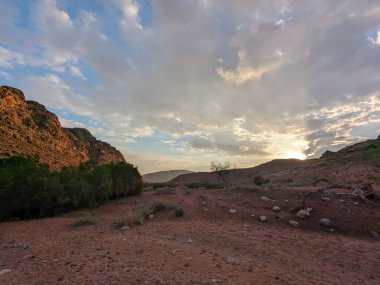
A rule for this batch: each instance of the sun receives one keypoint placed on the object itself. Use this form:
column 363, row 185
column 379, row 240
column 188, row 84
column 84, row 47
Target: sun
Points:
column 297, row 155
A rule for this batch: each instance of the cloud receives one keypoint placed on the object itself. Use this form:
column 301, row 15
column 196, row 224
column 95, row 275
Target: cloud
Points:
column 9, row 58
column 242, row 80
column 53, row 92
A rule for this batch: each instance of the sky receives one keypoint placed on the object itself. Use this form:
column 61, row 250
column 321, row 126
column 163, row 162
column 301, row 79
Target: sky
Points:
column 178, row 84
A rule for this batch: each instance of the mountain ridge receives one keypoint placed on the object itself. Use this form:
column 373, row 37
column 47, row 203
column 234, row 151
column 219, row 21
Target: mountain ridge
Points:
column 163, row 176
column 352, row 164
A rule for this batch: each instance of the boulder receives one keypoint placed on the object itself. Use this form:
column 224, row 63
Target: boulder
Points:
column 325, row 222
column 294, row 223
column 264, row 199
column 276, row 209
column 263, row 218
column 4, row 271
column 232, row 260
column 302, row 214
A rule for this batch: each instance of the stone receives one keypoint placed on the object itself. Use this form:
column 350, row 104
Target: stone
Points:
column 263, row 218
column 326, row 199
column 205, row 209
column 276, row 209
column 309, row 209
column 232, row 211
column 151, row 216
column 189, row 240
column 375, row 235
column 325, row 222
column 5, row 271
column 294, row 223
column 232, row 260
column 203, row 202
column 264, row 199
column 125, row 228
column 302, row 214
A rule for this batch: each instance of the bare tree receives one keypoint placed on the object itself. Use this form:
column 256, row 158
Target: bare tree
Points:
column 222, row 169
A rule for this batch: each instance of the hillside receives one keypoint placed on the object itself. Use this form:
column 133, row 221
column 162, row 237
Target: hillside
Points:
column 163, row 176
column 27, row 128
column 353, row 164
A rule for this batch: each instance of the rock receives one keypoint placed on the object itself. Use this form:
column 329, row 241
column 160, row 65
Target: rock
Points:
column 302, row 214
column 276, row 209
column 264, row 199
column 151, row 216
column 203, row 202
column 5, row 271
column 294, row 223
column 326, row 199
column 325, row 222
column 374, row 234
column 205, row 209
column 356, row 203
column 189, row 240
column 309, row 209
column 263, row 218
column 232, row 211
column 125, row 228
column 286, row 201
column 232, row 260
column 27, row 128
column 28, row 256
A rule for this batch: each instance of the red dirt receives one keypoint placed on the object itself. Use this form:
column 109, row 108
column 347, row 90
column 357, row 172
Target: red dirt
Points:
column 51, row 251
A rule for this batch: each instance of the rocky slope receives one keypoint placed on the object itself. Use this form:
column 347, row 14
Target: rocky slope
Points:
column 163, row 176
column 28, row 128
column 356, row 163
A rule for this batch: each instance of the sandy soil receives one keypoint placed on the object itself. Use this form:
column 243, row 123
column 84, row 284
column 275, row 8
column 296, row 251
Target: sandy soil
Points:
column 52, row 251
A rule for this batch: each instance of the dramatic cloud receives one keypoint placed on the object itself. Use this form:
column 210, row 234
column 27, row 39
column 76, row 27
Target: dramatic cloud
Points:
column 181, row 83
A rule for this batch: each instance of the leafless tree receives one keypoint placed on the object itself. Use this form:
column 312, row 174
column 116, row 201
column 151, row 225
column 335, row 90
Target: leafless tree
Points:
column 222, row 169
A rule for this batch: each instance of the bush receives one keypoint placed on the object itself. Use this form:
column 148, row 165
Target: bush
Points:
column 259, row 180
column 196, row 185
column 179, row 212
column 138, row 214
column 29, row 189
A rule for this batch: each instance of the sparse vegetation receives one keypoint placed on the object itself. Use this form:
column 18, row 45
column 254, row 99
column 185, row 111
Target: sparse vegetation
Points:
column 259, row 180
column 204, row 185
column 138, row 214
column 29, row 189
column 87, row 220
column 166, row 190
column 222, row 169
column 179, row 212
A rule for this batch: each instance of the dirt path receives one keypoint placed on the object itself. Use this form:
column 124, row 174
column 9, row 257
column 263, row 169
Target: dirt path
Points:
column 193, row 249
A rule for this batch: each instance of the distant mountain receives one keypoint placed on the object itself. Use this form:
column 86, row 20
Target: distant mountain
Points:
column 163, row 176
column 356, row 163
column 27, row 128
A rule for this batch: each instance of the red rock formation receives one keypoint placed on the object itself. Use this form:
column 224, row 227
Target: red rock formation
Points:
column 28, row 128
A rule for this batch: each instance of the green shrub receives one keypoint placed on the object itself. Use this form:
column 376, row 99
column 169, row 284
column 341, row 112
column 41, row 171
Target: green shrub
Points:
column 29, row 189
column 259, row 180
column 179, row 212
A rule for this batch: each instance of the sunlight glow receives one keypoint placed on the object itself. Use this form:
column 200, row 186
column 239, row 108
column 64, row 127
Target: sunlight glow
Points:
column 297, row 155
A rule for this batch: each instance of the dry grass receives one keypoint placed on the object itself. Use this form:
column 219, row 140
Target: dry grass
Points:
column 137, row 215
column 86, row 219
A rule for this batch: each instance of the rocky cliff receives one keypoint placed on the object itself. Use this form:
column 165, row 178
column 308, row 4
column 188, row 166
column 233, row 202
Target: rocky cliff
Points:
column 28, row 128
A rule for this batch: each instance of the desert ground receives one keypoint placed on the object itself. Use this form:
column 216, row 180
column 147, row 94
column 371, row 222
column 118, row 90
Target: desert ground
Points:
column 210, row 244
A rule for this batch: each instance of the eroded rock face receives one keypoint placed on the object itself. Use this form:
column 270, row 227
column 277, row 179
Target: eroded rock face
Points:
column 28, row 128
